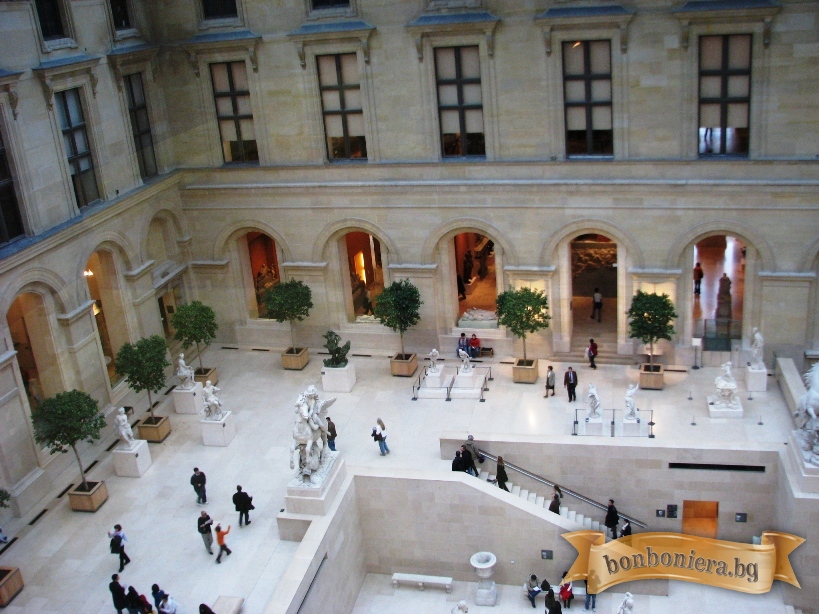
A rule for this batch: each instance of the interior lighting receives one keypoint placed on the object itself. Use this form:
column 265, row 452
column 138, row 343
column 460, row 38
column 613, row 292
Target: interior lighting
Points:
column 88, row 273
column 577, row 44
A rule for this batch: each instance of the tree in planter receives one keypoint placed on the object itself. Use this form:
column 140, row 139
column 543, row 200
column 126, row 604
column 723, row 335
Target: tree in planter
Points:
column 143, row 365
column 66, row 419
column 649, row 320
column 289, row 301
column 523, row 311
column 195, row 323
column 398, row 308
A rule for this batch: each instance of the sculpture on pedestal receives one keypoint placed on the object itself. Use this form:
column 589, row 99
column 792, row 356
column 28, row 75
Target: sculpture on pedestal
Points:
column 807, row 411
column 318, row 412
column 758, row 349
column 433, row 359
column 213, row 406
column 594, row 402
column 185, row 373
column 724, row 298
column 466, row 366
column 631, row 412
column 309, row 434
column 627, row 607
column 126, row 435
column 338, row 353
column 460, row 608
column 726, row 389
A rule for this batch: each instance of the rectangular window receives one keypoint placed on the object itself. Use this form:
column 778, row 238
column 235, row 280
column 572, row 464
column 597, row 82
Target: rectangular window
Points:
column 11, row 224
column 77, row 146
column 140, row 125
column 51, row 20
column 460, row 103
column 725, row 94
column 219, row 9
column 232, row 93
column 326, row 4
column 587, row 98
column 341, row 106
column 119, row 11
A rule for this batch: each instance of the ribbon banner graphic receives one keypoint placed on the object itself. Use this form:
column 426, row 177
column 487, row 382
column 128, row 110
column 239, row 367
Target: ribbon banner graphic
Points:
column 738, row 567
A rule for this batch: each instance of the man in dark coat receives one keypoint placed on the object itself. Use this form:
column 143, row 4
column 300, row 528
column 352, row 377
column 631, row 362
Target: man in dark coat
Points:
column 458, row 462
column 118, row 594
column 469, row 462
column 570, row 383
column 331, row 434
column 198, row 482
column 612, row 519
column 243, row 503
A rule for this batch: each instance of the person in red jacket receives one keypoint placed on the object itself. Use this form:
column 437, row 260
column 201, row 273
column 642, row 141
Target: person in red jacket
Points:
column 475, row 347
column 220, row 539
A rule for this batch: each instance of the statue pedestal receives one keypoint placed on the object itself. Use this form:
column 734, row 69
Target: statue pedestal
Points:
column 315, row 498
column 338, row 379
column 465, row 380
column 719, row 410
column 594, row 426
column 433, row 379
column 132, row 462
column 218, row 432
column 756, row 380
column 484, row 563
column 188, row 401
column 631, row 427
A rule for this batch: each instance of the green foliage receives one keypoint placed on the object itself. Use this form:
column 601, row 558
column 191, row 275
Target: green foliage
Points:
column 523, row 311
column 289, row 301
column 64, row 420
column 5, row 497
column 338, row 354
column 649, row 319
column 399, row 306
column 143, row 365
column 195, row 323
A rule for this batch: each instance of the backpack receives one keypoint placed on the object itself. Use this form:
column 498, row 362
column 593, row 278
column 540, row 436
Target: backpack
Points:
column 116, row 544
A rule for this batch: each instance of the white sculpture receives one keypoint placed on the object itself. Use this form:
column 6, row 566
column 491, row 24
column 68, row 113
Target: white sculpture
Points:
column 466, row 366
column 318, row 413
column 807, row 411
column 309, row 433
column 627, row 607
column 758, row 349
column 433, row 359
column 594, row 402
column 478, row 315
column 460, row 608
column 213, row 406
column 185, row 373
column 125, row 432
column 631, row 412
column 726, row 389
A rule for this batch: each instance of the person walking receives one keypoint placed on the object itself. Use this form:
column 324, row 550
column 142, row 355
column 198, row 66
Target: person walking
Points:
column 552, row 604
column 220, row 539
column 469, row 444
column 612, row 519
column 204, row 525
column 198, row 481
column 625, row 530
column 570, row 384
column 379, row 436
column 500, row 476
column 469, row 461
column 118, row 594
column 597, row 305
column 554, row 506
column 550, row 381
column 331, row 434
column 134, row 602
column 698, row 275
column 243, row 503
column 591, row 352
column 458, row 462
column 158, row 594
column 118, row 540
column 591, row 599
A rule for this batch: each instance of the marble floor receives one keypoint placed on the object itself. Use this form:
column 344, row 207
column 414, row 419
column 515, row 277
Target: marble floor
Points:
column 64, row 555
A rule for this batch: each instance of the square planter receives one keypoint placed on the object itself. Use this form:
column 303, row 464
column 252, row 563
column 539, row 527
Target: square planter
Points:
column 652, row 379
column 154, row 430
column 205, row 374
column 404, row 365
column 90, row 501
column 11, row 583
column 295, row 359
column 338, row 379
column 525, row 371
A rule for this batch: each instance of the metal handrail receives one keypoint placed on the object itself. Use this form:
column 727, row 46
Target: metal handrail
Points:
column 449, row 388
column 567, row 491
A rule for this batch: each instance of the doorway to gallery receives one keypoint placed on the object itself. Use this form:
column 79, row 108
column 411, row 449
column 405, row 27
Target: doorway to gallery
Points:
column 262, row 263
column 364, row 273
column 475, row 273
column 594, row 275
column 700, row 518
column 717, row 310
column 103, row 287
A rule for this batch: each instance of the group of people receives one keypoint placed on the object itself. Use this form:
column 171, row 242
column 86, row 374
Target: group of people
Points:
column 136, row 603
column 555, row 602
column 465, row 458
column 471, row 346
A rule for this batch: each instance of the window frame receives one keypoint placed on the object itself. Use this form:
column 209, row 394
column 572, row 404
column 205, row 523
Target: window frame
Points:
column 342, row 111
column 68, row 38
column 210, row 23
column 330, row 12
column 459, row 82
column 6, row 148
column 132, row 110
column 236, row 117
column 73, row 129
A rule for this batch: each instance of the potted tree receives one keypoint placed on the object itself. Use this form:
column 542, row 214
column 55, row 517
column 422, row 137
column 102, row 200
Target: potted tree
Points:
column 398, row 308
column 195, row 323
column 61, row 422
column 143, row 365
column 338, row 374
column 290, row 301
column 649, row 320
column 11, row 580
column 523, row 311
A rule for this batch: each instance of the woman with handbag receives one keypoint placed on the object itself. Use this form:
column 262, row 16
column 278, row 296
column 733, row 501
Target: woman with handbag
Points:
column 566, row 593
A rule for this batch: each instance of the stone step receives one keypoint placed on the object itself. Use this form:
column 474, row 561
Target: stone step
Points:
column 587, row 522
column 523, row 494
column 515, row 490
column 533, row 498
column 595, row 525
column 601, row 359
column 571, row 515
column 579, row 518
column 564, row 511
column 539, row 500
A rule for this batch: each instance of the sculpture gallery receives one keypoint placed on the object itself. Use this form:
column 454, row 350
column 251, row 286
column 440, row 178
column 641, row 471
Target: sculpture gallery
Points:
column 309, row 447
column 726, row 389
column 213, row 406
column 631, row 412
column 594, row 402
column 126, row 435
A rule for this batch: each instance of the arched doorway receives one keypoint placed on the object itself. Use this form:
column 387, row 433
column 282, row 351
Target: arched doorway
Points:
column 362, row 265
column 476, row 284
column 163, row 249
column 104, row 289
column 594, row 273
column 261, row 266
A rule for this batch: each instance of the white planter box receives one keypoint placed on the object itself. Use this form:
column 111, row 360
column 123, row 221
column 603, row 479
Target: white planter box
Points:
column 133, row 462
column 338, row 379
column 190, row 401
column 218, row 432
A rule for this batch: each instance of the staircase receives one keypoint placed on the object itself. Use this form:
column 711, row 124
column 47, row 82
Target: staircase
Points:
column 606, row 351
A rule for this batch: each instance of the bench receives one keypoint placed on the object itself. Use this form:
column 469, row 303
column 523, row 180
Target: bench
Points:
column 422, row 580
column 487, row 352
column 228, row 605
column 790, row 382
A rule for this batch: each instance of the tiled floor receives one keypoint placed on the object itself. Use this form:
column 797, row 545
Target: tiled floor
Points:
column 64, row 556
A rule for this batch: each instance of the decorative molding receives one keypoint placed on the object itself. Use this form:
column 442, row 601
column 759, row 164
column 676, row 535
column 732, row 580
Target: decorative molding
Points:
column 203, row 45
column 8, row 85
column 332, row 32
column 54, row 70
column 211, row 266
column 124, row 59
column 696, row 12
column 429, row 24
column 66, row 319
column 138, row 272
column 585, row 18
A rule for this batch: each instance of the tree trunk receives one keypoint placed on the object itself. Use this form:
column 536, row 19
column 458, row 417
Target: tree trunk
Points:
column 82, row 472
column 150, row 404
column 199, row 354
column 292, row 336
column 524, row 347
column 402, row 344
column 651, row 356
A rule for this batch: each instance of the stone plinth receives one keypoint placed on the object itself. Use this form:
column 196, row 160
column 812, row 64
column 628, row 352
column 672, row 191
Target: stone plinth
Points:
column 594, row 426
column 218, row 432
column 723, row 410
column 134, row 461
column 631, row 427
column 465, row 379
column 316, row 496
column 188, row 401
column 756, row 380
column 807, row 474
column 338, row 379
column 433, row 379
column 484, row 563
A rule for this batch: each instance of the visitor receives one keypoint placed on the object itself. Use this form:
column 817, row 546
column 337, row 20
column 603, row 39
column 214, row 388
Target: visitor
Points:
column 205, row 609
column 118, row 594
column 469, row 444
column 698, row 275
column 552, row 604
column 532, row 587
column 475, row 346
column 625, row 531
column 157, row 593
column 198, row 481
column 243, row 503
column 591, row 599
column 550, row 381
column 463, row 344
column 331, row 434
column 379, row 437
column 612, row 519
column 554, row 506
column 570, row 384
column 597, row 305
column 168, row 605
column 461, row 289
column 204, row 525
column 591, row 353
column 566, row 593
column 134, row 602
column 220, row 539
column 469, row 461
column 500, row 476
column 458, row 462
column 118, row 540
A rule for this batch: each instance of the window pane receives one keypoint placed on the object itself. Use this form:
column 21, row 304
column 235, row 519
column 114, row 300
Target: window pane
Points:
column 239, row 71
column 349, row 69
column 333, row 126
column 228, row 130
column 61, row 111
column 352, row 99
column 135, row 81
column 470, row 63
column 739, row 51
column 709, row 140
column 710, row 52
column 450, row 122
column 475, row 144
column 448, row 95
column 243, row 105
column 355, row 124
column 573, row 58
column 575, row 91
column 142, row 123
column 576, row 118
column 474, row 120
column 119, row 12
column 601, row 90
column 600, row 57
column 330, row 100
column 248, row 131
column 323, row 4
column 738, row 115
column 736, row 141
column 709, row 115
column 739, row 86
column 89, row 186
column 224, row 106
column 445, row 63
column 601, row 118
column 710, row 87
column 358, row 147
column 80, row 142
column 219, row 9
column 220, row 78
column 51, row 22
column 327, row 70
column 472, row 94
column 72, row 98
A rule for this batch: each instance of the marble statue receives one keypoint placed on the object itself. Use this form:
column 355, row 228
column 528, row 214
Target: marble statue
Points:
column 726, row 389
column 724, row 298
column 466, row 365
column 627, row 607
column 478, row 315
column 758, row 350
column 318, row 413
column 594, row 402
column 125, row 432
column 807, row 412
column 213, row 406
column 185, row 373
column 460, row 608
column 631, row 412
column 309, row 447
column 433, row 359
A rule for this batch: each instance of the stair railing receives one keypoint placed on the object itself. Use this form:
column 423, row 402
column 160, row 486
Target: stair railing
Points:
column 563, row 489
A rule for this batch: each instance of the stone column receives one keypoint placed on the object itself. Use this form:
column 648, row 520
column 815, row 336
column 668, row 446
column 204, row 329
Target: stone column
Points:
column 143, row 298
column 83, row 351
